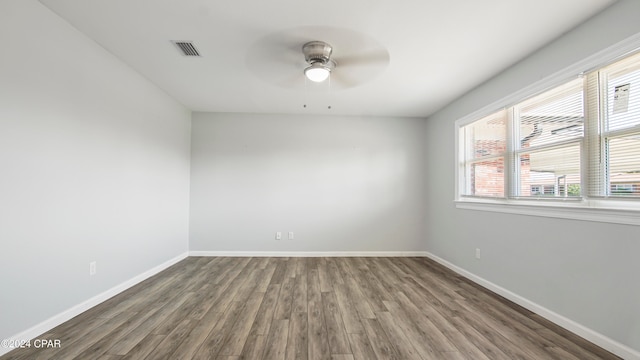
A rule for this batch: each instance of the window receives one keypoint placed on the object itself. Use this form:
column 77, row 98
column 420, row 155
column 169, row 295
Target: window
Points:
column 576, row 144
column 486, row 141
column 547, row 138
column 618, row 140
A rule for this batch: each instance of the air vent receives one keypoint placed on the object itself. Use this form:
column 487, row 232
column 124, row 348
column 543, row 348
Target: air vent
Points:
column 187, row 48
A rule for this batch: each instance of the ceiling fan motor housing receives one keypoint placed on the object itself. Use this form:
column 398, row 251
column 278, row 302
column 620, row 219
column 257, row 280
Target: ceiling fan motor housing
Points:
column 317, row 52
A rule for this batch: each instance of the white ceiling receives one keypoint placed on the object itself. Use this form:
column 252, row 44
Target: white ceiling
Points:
column 435, row 50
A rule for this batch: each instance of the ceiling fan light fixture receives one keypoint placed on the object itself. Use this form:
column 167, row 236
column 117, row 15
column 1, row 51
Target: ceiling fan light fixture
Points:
column 317, row 72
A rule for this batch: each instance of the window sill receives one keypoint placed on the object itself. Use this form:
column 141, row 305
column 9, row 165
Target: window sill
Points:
column 608, row 211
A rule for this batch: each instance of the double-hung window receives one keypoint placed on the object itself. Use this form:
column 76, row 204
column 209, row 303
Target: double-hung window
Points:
column 547, row 138
column 614, row 141
column 485, row 151
column 575, row 145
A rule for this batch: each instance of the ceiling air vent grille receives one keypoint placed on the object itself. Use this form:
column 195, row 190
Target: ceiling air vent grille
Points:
column 187, row 48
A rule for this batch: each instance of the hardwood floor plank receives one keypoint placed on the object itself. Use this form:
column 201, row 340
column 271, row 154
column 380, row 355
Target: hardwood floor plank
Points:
column 318, row 337
column 361, row 347
column 323, row 276
column 197, row 336
column 70, row 351
column 348, row 311
column 362, row 284
column 440, row 302
column 297, row 344
column 341, row 265
column 277, row 341
column 358, row 299
column 254, row 347
column 67, row 335
column 482, row 298
column 300, row 294
column 379, row 341
column 301, row 266
column 310, row 308
column 144, row 347
column 337, row 336
column 172, row 341
column 240, row 331
column 228, row 275
column 279, row 273
column 263, row 319
column 318, row 342
column 490, row 335
column 577, row 346
column 207, row 298
column 445, row 285
column 290, row 271
column 385, row 280
column 431, row 332
column 474, row 337
column 334, row 273
column 152, row 322
column 285, row 300
column 390, row 266
column 342, row 357
column 109, row 357
column 191, row 301
column 248, row 286
column 415, row 336
column 262, row 263
column 397, row 337
column 527, row 341
column 313, row 286
column 452, row 355
column 262, row 283
column 116, row 337
column 218, row 335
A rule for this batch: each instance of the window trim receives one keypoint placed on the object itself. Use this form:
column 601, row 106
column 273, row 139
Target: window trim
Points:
column 596, row 211
column 599, row 209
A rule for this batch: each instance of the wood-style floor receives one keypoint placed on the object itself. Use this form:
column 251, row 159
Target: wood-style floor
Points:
column 310, row 308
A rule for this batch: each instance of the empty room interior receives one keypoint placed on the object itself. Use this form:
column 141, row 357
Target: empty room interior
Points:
column 361, row 179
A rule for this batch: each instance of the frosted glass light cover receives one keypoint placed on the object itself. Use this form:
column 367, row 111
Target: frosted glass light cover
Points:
column 316, row 73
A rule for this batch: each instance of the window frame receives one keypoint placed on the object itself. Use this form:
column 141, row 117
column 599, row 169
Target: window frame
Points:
column 619, row 210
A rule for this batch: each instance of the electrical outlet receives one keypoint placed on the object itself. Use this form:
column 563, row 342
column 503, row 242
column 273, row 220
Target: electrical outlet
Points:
column 477, row 253
column 290, row 235
column 278, row 235
column 92, row 268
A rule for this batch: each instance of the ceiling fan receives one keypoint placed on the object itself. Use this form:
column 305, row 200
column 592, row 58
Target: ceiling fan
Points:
column 288, row 58
column 318, row 55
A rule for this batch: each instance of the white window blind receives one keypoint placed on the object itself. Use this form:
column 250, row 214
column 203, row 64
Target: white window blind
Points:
column 619, row 142
column 547, row 141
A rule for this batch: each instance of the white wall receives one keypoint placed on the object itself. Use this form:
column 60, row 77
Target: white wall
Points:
column 587, row 272
column 339, row 183
column 94, row 166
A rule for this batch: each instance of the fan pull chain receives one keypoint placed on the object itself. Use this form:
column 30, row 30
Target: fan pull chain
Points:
column 329, row 92
column 306, row 92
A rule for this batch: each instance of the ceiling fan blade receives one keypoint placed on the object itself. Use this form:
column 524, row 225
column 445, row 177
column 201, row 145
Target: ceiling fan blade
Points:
column 277, row 60
column 293, row 81
column 372, row 57
column 342, row 81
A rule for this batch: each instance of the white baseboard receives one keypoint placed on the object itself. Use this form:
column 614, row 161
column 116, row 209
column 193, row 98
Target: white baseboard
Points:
column 310, row 253
column 68, row 314
column 601, row 340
